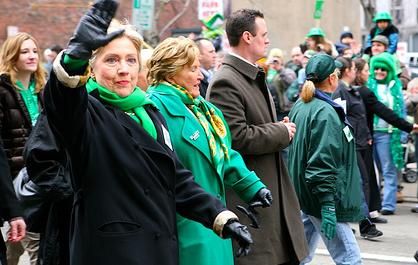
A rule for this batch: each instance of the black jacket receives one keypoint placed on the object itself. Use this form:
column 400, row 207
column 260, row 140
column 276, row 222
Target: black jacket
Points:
column 128, row 185
column 356, row 113
column 15, row 124
column 9, row 206
column 375, row 107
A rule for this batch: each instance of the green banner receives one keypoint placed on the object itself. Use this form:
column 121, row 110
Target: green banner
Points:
column 318, row 9
column 136, row 3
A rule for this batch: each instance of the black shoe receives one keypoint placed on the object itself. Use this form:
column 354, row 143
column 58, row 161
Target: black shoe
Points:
column 378, row 220
column 414, row 210
column 371, row 233
column 387, row 212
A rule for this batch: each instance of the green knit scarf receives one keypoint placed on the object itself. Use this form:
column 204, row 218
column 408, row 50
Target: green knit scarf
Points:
column 212, row 124
column 133, row 105
column 30, row 97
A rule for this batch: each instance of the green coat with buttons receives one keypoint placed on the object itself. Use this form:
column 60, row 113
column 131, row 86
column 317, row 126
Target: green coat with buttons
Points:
column 322, row 161
column 197, row 244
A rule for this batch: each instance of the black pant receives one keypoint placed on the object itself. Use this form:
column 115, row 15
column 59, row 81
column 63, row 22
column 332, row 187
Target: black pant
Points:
column 370, row 186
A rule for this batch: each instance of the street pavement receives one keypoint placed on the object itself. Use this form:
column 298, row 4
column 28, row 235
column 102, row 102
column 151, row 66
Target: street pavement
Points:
column 397, row 245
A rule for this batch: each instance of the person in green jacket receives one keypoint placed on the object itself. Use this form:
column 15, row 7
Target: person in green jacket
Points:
column 323, row 164
column 202, row 140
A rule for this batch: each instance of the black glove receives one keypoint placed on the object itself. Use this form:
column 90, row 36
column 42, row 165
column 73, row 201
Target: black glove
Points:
column 239, row 232
column 262, row 197
column 91, row 32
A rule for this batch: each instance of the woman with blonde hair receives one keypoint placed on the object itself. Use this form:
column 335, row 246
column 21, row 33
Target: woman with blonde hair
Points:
column 128, row 181
column 22, row 79
column 323, row 165
column 202, row 141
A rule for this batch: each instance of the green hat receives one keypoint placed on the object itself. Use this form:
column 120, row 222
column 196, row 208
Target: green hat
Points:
column 315, row 32
column 382, row 16
column 320, row 66
column 385, row 61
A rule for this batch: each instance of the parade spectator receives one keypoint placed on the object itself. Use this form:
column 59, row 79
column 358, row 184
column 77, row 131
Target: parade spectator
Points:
column 207, row 61
column 323, row 166
column 316, row 41
column 49, row 56
column 375, row 107
column 22, row 79
column 274, row 63
column 384, row 83
column 296, row 62
column 379, row 45
column 239, row 90
column 347, row 41
column 128, row 181
column 351, row 101
column 9, row 208
column 411, row 103
column 384, row 27
column 202, row 141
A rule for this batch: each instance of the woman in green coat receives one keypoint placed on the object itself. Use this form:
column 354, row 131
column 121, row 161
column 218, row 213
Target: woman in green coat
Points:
column 201, row 138
column 323, row 165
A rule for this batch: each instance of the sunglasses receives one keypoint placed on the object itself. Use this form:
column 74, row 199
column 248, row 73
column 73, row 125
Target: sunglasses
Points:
column 380, row 69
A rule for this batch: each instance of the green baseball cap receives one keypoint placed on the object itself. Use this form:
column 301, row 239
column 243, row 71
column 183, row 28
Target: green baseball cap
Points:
column 320, row 66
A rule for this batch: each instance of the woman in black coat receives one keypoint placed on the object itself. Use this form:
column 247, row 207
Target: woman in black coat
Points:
column 375, row 107
column 127, row 179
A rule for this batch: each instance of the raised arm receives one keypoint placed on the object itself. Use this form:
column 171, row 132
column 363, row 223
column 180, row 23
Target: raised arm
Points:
column 65, row 94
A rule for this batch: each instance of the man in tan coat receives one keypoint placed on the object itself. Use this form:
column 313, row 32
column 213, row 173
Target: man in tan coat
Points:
column 239, row 90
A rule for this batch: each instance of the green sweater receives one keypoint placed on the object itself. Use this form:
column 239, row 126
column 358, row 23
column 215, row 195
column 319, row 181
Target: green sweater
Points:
column 323, row 162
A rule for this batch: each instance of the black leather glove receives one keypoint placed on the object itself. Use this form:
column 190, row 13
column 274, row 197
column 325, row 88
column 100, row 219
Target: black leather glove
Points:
column 263, row 197
column 91, row 32
column 239, row 232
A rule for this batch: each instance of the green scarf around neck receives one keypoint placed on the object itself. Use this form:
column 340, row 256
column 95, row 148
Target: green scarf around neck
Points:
column 212, row 124
column 30, row 97
column 133, row 105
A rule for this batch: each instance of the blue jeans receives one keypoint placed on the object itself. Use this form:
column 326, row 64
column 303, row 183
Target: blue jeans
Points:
column 389, row 171
column 343, row 248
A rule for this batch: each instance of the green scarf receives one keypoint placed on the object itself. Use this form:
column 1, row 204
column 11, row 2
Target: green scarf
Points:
column 30, row 97
column 212, row 124
column 133, row 105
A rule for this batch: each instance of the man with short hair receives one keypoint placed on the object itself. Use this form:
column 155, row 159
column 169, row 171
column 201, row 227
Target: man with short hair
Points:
column 296, row 63
column 239, row 89
column 207, row 61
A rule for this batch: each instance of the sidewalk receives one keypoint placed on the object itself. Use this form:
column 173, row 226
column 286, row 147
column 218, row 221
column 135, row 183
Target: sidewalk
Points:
column 398, row 243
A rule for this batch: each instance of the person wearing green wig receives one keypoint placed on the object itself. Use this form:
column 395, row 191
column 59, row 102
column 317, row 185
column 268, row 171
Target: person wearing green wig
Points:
column 128, row 182
column 202, row 140
column 384, row 83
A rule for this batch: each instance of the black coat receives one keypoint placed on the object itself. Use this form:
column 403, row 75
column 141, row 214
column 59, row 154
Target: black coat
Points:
column 375, row 107
column 15, row 124
column 9, row 206
column 128, row 185
column 203, row 86
column 356, row 113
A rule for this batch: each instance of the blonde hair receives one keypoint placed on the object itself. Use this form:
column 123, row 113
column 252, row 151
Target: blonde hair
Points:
column 169, row 58
column 9, row 55
column 308, row 89
column 130, row 33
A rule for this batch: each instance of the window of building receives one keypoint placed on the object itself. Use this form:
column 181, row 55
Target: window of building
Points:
column 397, row 12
